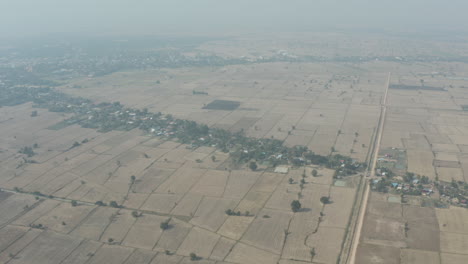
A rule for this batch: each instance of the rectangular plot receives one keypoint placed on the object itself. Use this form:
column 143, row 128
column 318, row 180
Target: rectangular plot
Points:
column 19, row 244
column 173, row 237
column 222, row 249
column 188, row 205
column 161, row 203
column 243, row 253
column 268, row 233
column 453, row 243
column 409, row 256
column 151, row 179
column 327, row 243
column 140, row 256
column 370, row 253
column 420, row 162
column 145, row 232
column 95, row 224
column 181, row 181
column 235, row 226
column 337, row 213
column 110, row 254
column 253, row 202
column 119, row 226
column 83, row 252
column 9, row 234
column 200, row 242
column 65, row 213
column 166, row 259
column 13, row 206
column 239, row 183
column 211, row 212
column 452, row 258
column 212, row 183
column 449, row 174
column 41, row 209
column 453, row 220
column 48, row 248
column 301, row 226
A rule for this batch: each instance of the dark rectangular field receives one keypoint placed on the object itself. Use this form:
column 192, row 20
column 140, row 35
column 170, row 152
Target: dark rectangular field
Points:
column 415, row 87
column 222, row 105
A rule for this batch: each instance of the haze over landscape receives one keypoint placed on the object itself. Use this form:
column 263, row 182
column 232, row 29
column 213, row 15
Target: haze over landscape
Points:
column 233, row 132
column 29, row 17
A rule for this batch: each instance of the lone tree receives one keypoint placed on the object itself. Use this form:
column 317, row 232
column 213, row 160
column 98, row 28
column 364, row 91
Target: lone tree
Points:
column 253, row 165
column 132, row 179
column 325, row 199
column 136, row 214
column 291, row 180
column 194, row 257
column 314, row 172
column 165, row 225
column 34, row 113
column 295, row 206
column 312, row 252
column 114, row 204
column 74, row 203
column 100, row 203
column 213, row 158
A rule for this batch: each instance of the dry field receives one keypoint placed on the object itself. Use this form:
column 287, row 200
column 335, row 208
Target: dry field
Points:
column 317, row 105
column 39, row 223
column 323, row 106
column 433, row 235
column 432, row 127
column 430, row 124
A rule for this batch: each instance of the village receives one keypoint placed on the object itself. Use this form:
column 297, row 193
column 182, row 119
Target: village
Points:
column 394, row 178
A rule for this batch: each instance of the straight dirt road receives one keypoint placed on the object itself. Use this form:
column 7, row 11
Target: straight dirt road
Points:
column 370, row 172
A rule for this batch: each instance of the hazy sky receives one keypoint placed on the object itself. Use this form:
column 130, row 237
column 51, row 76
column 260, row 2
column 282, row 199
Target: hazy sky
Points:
column 26, row 17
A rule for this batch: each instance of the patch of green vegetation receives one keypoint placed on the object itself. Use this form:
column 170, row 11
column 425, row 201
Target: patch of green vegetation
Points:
column 61, row 125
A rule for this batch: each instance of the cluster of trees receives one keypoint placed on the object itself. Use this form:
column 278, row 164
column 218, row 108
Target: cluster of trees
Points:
column 238, row 213
column 28, row 151
column 453, row 189
column 414, row 188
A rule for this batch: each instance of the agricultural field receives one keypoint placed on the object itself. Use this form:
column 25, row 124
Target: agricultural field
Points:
column 396, row 232
column 425, row 133
column 321, row 106
column 429, row 124
column 70, row 194
column 125, row 197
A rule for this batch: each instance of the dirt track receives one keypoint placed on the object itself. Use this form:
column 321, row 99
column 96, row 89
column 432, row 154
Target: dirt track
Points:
column 371, row 172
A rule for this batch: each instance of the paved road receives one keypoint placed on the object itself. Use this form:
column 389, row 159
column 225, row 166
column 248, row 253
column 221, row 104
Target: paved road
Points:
column 371, row 173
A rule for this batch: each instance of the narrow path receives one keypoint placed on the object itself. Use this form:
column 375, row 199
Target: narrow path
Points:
column 370, row 172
